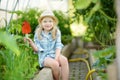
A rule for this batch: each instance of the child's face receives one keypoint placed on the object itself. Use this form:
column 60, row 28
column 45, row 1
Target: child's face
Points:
column 47, row 23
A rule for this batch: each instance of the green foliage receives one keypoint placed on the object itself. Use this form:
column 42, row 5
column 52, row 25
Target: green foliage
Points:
column 64, row 23
column 81, row 4
column 22, row 67
column 16, row 63
column 105, row 52
column 30, row 15
column 103, row 58
column 7, row 40
column 66, row 39
column 101, row 19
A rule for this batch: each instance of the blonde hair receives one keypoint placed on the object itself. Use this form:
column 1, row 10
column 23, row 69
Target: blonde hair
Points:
column 40, row 28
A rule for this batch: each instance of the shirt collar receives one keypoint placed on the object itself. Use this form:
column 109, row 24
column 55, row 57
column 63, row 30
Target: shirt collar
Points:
column 49, row 33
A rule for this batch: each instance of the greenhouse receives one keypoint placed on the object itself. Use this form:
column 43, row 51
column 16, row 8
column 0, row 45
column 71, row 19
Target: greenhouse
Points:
column 59, row 40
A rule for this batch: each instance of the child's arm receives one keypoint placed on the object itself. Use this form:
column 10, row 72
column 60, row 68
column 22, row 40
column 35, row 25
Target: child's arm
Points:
column 58, row 51
column 59, row 44
column 32, row 44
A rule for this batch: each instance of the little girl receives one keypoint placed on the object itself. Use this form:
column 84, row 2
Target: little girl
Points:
column 48, row 46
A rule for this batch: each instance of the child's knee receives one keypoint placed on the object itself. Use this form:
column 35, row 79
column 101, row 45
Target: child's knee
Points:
column 64, row 59
column 55, row 64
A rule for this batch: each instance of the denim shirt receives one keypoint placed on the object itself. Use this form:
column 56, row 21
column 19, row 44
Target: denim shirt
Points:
column 47, row 45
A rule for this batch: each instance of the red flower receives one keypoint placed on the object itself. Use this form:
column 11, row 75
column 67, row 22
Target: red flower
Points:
column 26, row 27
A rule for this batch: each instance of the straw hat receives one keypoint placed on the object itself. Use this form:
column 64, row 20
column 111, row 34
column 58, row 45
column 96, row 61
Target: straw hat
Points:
column 47, row 13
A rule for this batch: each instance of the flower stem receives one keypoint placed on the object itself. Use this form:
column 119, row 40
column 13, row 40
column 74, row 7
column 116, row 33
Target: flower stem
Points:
column 27, row 43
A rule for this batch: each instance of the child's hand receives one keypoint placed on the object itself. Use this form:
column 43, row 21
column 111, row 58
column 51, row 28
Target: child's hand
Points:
column 27, row 40
column 57, row 58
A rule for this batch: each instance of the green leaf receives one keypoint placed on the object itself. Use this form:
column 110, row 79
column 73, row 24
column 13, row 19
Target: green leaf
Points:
column 105, row 52
column 94, row 1
column 82, row 4
column 9, row 42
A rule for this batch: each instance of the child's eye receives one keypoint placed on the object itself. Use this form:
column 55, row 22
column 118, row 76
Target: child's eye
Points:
column 50, row 21
column 44, row 21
